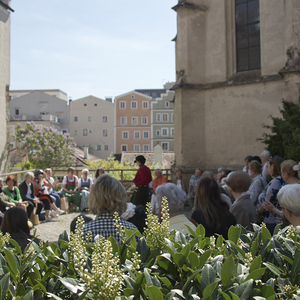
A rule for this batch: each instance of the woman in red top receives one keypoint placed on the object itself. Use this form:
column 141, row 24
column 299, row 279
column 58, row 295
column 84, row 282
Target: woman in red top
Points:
column 142, row 179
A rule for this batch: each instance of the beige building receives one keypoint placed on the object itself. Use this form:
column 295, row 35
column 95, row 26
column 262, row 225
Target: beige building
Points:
column 132, row 122
column 4, row 82
column 92, row 124
column 13, row 94
column 231, row 73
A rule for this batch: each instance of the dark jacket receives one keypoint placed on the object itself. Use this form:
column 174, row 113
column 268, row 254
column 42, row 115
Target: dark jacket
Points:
column 23, row 191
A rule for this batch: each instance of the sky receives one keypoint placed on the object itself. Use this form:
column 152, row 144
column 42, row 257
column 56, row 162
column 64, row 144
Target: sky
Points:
column 92, row 47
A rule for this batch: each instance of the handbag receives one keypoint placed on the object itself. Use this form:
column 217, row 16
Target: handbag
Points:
column 64, row 204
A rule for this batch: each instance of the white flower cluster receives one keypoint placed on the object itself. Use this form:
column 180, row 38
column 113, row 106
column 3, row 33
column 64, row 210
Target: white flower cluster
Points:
column 104, row 281
column 156, row 232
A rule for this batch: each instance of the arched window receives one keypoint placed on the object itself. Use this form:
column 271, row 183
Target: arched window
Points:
column 247, row 22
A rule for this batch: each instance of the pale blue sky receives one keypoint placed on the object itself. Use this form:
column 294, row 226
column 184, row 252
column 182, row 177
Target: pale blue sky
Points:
column 92, row 47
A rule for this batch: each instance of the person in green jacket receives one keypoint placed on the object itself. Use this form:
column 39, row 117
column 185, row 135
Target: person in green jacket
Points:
column 12, row 191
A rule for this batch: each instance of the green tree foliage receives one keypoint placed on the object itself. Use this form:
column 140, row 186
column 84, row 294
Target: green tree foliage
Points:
column 284, row 139
column 45, row 147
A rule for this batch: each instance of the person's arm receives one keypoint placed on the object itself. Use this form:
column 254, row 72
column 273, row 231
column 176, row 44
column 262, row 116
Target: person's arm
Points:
column 76, row 183
column 7, row 192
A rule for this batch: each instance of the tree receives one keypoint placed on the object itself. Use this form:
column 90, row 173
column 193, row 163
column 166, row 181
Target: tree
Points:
column 284, row 139
column 45, row 147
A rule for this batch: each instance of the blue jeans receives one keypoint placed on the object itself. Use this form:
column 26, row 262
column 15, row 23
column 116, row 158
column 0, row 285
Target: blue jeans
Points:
column 57, row 197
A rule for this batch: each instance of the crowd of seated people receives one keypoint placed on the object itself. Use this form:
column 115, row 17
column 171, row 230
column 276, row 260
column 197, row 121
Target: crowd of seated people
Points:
column 267, row 190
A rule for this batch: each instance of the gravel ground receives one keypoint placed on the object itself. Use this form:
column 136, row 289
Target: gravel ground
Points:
column 50, row 231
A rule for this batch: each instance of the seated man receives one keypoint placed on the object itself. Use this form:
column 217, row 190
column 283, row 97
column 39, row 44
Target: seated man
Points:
column 159, row 180
column 192, row 187
column 27, row 194
column 181, row 181
column 176, row 198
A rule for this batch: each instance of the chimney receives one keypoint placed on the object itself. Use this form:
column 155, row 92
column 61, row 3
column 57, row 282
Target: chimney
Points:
column 85, row 152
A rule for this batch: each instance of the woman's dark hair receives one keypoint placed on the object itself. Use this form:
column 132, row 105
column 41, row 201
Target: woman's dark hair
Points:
column 249, row 158
column 13, row 178
column 73, row 223
column 15, row 221
column 98, row 171
column 209, row 202
column 276, row 162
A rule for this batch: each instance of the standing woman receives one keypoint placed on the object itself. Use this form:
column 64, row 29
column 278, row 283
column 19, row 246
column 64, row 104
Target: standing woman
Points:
column 211, row 210
column 70, row 188
column 84, row 185
column 142, row 179
column 270, row 192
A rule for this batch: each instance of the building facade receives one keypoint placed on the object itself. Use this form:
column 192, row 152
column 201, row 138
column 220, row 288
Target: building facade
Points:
column 235, row 61
column 162, row 121
column 132, row 122
column 92, row 124
column 4, row 83
column 43, row 109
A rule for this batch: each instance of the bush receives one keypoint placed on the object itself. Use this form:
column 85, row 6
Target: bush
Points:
column 249, row 265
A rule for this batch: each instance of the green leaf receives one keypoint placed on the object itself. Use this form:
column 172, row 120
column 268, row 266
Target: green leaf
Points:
column 148, row 279
column 200, row 230
column 256, row 274
column 179, row 293
column 208, row 291
column 29, row 295
column 208, row 276
column 267, row 291
column 244, row 290
column 180, row 237
column 203, row 258
column 193, row 259
column 186, row 250
column 166, row 282
column 5, row 283
column 227, row 271
column 179, row 259
column 226, row 297
column 52, row 296
column 295, row 267
column 114, row 244
column 154, row 293
column 265, row 234
column 219, row 242
column 70, row 283
column 254, row 246
column 16, row 245
column 234, row 296
column 255, row 264
column 12, row 261
column 273, row 269
column 234, row 234
column 142, row 249
column 21, row 290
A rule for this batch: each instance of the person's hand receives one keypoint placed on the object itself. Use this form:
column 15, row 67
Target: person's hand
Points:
column 10, row 204
column 36, row 200
column 268, row 206
column 20, row 201
column 56, row 181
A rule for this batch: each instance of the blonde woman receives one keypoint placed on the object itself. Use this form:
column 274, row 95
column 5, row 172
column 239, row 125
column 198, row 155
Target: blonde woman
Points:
column 107, row 195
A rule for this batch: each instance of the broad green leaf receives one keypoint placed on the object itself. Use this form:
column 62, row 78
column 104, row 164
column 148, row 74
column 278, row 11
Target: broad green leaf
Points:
column 234, row 234
column 256, row 274
column 200, row 230
column 70, row 283
column 208, row 276
column 129, row 282
column 51, row 295
column 21, row 290
column 142, row 249
column 128, row 291
column 179, row 259
column 255, row 264
column 165, row 262
column 154, row 293
column 234, row 296
column 114, row 244
column 295, row 267
column 5, row 283
column 208, row 291
column 16, row 245
column 170, row 296
column 254, row 246
column 186, row 250
column 259, row 298
column 194, row 259
column 219, row 242
column 265, row 234
column 244, row 290
column 226, row 297
column 227, row 271
column 203, row 258
column 166, row 282
column 11, row 260
column 267, row 291
column 273, row 269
